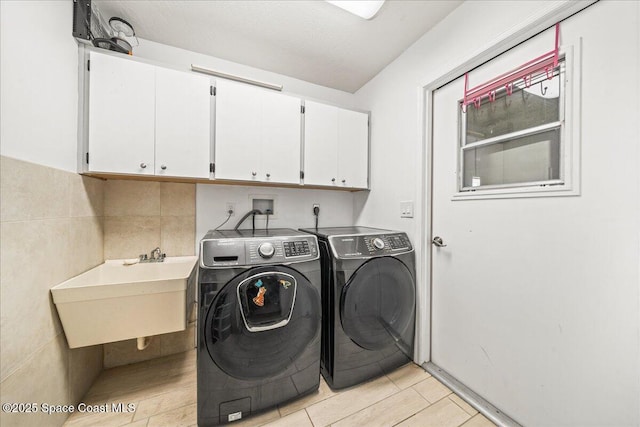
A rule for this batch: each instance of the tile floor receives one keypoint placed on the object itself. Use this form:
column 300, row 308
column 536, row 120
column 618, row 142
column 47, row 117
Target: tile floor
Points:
column 164, row 393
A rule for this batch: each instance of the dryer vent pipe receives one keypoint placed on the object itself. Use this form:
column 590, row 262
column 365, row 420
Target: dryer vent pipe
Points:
column 143, row 342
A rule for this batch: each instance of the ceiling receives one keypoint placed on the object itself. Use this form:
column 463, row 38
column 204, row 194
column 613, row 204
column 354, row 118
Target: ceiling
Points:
column 310, row 40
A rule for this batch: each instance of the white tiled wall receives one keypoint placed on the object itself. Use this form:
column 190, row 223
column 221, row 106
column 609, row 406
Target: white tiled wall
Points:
column 51, row 226
column 142, row 215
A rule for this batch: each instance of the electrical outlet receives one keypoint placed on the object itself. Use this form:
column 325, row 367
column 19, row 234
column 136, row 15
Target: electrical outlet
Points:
column 406, row 209
column 230, row 207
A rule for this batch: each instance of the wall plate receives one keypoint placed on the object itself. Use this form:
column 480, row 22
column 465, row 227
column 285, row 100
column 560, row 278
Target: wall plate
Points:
column 263, row 202
column 406, row 209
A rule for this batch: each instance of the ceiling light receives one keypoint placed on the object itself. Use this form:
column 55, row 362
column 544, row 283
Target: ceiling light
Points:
column 363, row 8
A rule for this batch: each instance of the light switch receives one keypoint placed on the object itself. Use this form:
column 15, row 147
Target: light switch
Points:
column 406, row 209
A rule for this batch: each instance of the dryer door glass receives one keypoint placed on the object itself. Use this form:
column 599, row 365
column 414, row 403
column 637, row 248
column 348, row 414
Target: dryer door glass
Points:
column 252, row 334
column 377, row 307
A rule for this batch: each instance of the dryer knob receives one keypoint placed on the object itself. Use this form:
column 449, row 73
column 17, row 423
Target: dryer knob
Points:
column 266, row 250
column 378, row 243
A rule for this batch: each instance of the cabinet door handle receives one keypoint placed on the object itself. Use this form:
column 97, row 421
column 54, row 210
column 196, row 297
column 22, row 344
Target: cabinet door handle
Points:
column 344, row 181
column 164, row 167
column 268, row 175
column 143, row 165
column 333, row 180
column 254, row 173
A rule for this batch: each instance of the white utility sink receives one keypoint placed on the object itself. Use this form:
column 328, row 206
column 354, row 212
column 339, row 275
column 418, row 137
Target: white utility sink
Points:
column 114, row 301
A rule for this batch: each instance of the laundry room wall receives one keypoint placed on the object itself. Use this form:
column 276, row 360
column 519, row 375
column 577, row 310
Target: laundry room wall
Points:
column 39, row 79
column 606, row 307
column 51, row 218
column 293, row 207
column 143, row 215
column 182, row 59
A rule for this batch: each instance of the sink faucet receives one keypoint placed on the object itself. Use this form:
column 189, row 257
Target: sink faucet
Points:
column 156, row 253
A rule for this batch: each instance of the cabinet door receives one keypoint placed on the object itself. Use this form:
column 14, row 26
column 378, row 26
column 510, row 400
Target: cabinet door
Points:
column 183, row 106
column 320, row 144
column 121, row 115
column 353, row 148
column 280, row 138
column 237, row 141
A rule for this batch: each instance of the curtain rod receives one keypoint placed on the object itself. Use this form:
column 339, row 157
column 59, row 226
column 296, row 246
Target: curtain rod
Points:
column 236, row 78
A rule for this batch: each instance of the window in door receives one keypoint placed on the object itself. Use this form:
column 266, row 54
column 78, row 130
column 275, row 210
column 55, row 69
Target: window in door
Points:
column 518, row 141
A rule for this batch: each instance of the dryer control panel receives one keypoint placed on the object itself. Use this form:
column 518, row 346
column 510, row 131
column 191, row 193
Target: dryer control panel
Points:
column 241, row 251
column 368, row 246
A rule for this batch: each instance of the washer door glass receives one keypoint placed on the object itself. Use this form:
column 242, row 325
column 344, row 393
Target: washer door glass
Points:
column 266, row 300
column 377, row 307
column 261, row 321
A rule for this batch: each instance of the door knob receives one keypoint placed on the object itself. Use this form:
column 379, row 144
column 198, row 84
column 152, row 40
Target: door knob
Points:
column 254, row 173
column 437, row 241
column 163, row 167
column 268, row 175
column 333, row 180
column 143, row 165
column 344, row 181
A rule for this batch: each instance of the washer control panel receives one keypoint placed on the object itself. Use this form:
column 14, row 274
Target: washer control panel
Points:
column 367, row 246
column 218, row 253
column 296, row 248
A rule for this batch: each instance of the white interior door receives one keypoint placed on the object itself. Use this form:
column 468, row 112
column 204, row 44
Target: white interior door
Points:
column 473, row 333
column 121, row 115
column 534, row 299
column 183, row 108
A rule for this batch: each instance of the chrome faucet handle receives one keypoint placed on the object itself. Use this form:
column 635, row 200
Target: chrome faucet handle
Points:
column 155, row 254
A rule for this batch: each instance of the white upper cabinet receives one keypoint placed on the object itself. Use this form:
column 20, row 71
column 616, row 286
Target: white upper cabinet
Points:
column 281, row 138
column 237, row 140
column 257, row 134
column 147, row 120
column 183, row 123
column 336, row 146
column 144, row 119
column 121, row 115
column 353, row 148
column 320, row 144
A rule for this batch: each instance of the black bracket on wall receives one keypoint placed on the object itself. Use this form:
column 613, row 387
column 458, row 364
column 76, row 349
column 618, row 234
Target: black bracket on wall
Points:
column 81, row 16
